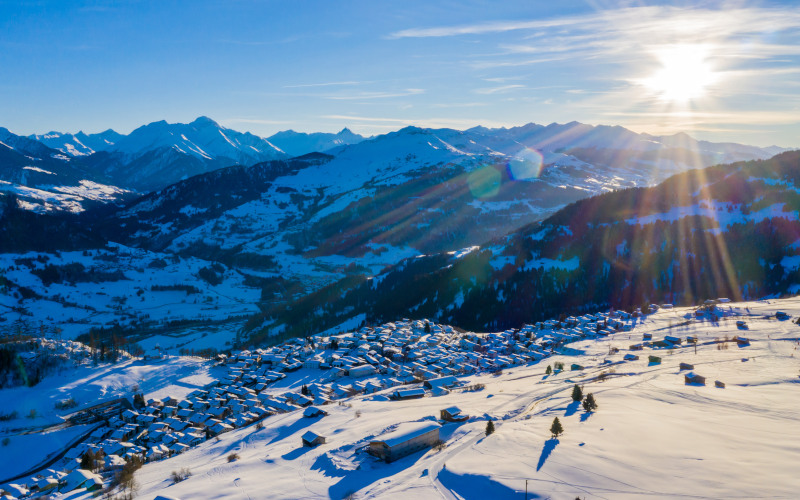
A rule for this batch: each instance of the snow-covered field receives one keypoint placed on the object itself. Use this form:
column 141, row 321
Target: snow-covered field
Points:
column 652, row 436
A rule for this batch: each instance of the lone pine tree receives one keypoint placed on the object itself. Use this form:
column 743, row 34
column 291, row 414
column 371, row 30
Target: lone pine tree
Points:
column 556, row 429
column 489, row 427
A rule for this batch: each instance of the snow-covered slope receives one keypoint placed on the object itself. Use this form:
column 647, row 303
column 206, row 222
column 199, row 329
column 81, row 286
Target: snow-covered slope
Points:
column 651, row 426
column 80, row 290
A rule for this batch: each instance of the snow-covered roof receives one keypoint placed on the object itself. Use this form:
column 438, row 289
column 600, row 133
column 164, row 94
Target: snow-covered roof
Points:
column 406, row 432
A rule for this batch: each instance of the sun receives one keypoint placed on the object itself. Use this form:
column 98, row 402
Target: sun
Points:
column 684, row 74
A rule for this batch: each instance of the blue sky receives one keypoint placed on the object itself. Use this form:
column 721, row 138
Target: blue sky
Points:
column 718, row 70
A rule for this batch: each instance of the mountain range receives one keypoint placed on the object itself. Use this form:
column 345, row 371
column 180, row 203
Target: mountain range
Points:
column 366, row 218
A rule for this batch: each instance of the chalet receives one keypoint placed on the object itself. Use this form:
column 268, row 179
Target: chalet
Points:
column 719, row 384
column 742, row 341
column 441, row 382
column 636, row 347
column 655, row 360
column 407, row 439
column 673, row 340
column 575, row 367
column 313, row 411
column 686, row 366
column 362, row 371
column 311, row 439
column 694, row 378
column 452, row 414
column 80, row 478
column 630, row 357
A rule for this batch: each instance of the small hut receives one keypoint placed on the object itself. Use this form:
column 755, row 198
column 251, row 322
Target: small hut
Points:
column 694, row 378
column 452, row 414
column 311, row 439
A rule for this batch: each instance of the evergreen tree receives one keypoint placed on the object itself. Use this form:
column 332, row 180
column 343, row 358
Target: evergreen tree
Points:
column 589, row 404
column 556, row 429
column 489, row 427
column 87, row 460
column 577, row 393
column 549, row 370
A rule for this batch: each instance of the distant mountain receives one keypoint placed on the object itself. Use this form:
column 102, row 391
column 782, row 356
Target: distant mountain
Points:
column 368, row 205
column 724, row 231
column 299, row 143
column 45, row 180
column 79, row 144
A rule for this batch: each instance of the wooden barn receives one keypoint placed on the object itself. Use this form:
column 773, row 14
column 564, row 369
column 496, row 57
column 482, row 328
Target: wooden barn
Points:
column 407, row 439
column 311, row 439
column 402, row 394
column 453, row 414
column 694, row 378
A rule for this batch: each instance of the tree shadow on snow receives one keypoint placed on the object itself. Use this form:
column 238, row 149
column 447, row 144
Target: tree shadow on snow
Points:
column 572, row 408
column 585, row 416
column 547, row 449
column 477, row 486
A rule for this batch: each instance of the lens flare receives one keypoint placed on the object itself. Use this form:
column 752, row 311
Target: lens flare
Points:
column 484, row 182
column 527, row 165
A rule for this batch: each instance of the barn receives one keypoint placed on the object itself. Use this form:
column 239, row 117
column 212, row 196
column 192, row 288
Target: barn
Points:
column 402, row 394
column 311, row 439
column 405, row 440
column 441, row 382
column 694, row 378
column 453, row 414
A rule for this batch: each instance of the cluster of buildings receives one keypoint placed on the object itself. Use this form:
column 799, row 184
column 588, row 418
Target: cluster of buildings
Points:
column 365, row 361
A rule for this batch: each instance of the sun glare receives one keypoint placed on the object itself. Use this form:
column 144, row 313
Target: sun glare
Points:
column 685, row 73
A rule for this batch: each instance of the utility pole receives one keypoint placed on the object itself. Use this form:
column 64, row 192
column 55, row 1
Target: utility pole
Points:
column 526, row 489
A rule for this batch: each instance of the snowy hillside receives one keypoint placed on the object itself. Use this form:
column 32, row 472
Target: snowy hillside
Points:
column 132, row 288
column 430, row 186
column 651, row 423
column 735, row 225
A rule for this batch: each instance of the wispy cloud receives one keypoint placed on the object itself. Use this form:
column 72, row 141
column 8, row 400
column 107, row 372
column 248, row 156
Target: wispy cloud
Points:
column 356, row 96
column 500, row 89
column 324, row 84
